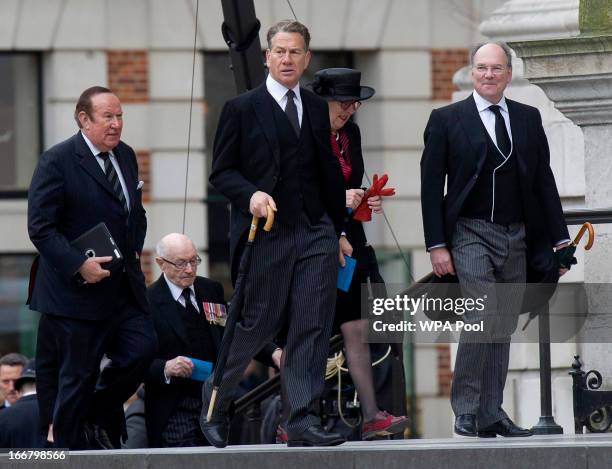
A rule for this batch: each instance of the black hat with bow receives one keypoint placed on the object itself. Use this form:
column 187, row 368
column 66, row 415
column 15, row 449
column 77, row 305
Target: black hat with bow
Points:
column 340, row 84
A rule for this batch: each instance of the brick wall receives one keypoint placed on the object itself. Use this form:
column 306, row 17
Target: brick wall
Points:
column 144, row 173
column 444, row 64
column 445, row 375
column 128, row 78
column 146, row 262
column 128, row 75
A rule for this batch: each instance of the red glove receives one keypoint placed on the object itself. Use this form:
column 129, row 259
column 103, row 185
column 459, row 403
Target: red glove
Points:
column 363, row 212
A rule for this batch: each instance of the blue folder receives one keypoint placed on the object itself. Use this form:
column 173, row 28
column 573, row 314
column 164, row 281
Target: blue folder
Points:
column 345, row 274
column 201, row 369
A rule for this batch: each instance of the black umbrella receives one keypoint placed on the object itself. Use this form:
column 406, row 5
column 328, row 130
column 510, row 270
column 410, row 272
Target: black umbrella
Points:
column 565, row 256
column 535, row 295
column 236, row 304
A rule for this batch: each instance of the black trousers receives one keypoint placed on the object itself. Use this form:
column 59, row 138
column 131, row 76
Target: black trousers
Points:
column 71, row 387
column 292, row 281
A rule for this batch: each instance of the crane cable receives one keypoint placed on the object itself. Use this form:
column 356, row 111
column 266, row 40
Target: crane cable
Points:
column 195, row 40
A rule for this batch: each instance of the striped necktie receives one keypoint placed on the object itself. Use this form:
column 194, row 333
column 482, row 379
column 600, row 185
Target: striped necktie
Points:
column 113, row 179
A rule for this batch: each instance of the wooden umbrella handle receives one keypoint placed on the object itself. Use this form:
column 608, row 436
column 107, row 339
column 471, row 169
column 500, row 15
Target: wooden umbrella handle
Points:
column 269, row 219
column 586, row 226
column 255, row 222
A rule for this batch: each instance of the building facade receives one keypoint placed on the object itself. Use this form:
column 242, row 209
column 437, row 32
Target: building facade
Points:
column 143, row 50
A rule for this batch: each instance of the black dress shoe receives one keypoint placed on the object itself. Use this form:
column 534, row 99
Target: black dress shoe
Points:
column 465, row 425
column 504, row 427
column 96, row 437
column 315, row 435
column 217, row 430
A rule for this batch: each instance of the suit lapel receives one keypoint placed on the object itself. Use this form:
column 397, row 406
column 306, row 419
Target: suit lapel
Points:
column 262, row 104
column 518, row 127
column 473, row 127
column 357, row 163
column 321, row 138
column 307, row 108
column 169, row 308
column 90, row 164
column 126, row 172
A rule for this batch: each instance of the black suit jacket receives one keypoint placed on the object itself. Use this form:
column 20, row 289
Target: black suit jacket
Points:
column 354, row 228
column 68, row 195
column 455, row 151
column 160, row 398
column 20, row 425
column 246, row 157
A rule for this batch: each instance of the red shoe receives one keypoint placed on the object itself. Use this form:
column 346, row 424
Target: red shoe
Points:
column 281, row 435
column 384, row 424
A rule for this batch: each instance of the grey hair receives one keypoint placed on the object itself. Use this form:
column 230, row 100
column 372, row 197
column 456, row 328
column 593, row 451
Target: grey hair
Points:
column 160, row 247
column 14, row 359
column 288, row 26
column 501, row 44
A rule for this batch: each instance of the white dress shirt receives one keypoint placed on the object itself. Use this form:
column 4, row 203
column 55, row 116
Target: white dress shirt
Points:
column 488, row 117
column 279, row 93
column 113, row 160
column 177, row 294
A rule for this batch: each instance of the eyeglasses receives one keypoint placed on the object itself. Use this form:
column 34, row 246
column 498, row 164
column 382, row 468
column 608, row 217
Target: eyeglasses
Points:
column 353, row 105
column 182, row 265
column 494, row 70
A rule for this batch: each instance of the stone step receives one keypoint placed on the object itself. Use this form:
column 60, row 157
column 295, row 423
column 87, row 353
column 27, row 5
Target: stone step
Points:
column 554, row 452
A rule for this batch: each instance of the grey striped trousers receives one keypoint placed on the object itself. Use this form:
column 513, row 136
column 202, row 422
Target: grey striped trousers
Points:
column 486, row 254
column 292, row 280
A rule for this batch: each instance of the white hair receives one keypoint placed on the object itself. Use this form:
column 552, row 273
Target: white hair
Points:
column 162, row 246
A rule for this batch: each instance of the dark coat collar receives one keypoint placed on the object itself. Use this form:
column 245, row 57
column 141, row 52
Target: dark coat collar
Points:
column 263, row 103
column 90, row 165
column 357, row 164
column 473, row 127
column 167, row 307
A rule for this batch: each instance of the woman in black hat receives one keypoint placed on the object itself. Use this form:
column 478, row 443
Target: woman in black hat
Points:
column 344, row 94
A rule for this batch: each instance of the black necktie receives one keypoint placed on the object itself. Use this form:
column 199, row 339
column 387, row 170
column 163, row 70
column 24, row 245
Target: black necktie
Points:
column 291, row 111
column 188, row 304
column 113, row 179
column 501, row 132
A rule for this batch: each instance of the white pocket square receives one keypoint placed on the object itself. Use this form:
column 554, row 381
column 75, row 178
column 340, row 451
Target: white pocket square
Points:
column 139, row 186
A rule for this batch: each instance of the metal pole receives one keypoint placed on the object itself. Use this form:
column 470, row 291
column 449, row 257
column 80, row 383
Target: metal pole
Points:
column 546, row 425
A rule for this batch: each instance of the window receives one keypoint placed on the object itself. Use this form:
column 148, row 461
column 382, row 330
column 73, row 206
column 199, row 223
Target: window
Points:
column 20, row 121
column 18, row 324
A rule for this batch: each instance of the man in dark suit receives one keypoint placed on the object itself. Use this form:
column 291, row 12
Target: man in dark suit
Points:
column 501, row 217
column 272, row 149
column 20, row 423
column 89, row 308
column 188, row 312
column 11, row 366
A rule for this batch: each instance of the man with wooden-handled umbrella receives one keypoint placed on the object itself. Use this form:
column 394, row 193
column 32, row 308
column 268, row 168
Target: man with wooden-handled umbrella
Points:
column 491, row 215
column 272, row 151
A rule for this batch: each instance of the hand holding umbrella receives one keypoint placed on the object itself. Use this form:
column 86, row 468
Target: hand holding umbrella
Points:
column 236, row 306
column 565, row 256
